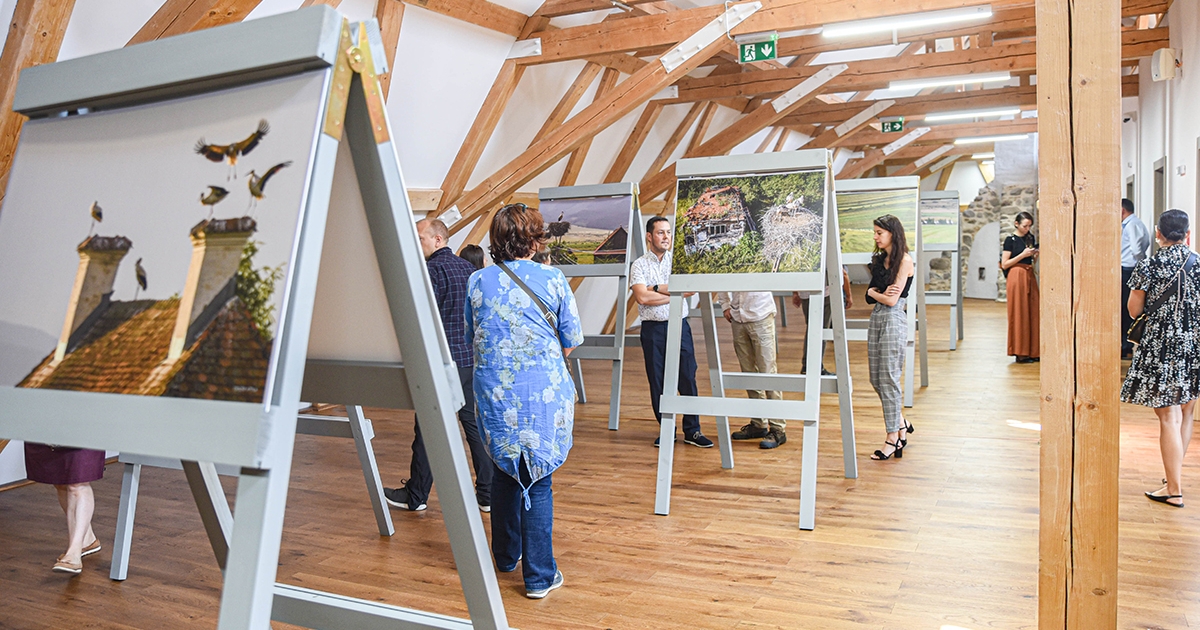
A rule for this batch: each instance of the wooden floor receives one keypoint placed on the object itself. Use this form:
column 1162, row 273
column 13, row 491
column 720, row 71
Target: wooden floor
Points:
column 945, row 538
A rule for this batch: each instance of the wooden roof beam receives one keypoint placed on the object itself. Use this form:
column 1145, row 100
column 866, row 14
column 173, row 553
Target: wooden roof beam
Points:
column 833, row 137
column 176, row 17
column 390, row 14
column 575, row 162
column 637, row 137
column 910, row 107
column 874, row 157
column 945, row 133
column 483, row 13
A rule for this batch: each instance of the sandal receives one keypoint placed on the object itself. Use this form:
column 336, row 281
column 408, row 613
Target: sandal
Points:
column 908, row 429
column 880, row 455
column 1163, row 498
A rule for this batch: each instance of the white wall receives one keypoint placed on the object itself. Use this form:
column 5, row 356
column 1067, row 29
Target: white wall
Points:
column 1166, row 125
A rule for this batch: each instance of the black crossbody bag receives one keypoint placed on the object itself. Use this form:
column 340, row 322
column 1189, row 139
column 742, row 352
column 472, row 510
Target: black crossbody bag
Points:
column 1138, row 328
column 547, row 314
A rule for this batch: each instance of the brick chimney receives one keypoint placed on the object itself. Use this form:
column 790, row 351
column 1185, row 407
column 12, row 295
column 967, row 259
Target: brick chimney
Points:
column 99, row 258
column 216, row 252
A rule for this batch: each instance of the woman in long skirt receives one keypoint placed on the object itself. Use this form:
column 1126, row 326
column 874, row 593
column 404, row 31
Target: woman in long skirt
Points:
column 1020, row 250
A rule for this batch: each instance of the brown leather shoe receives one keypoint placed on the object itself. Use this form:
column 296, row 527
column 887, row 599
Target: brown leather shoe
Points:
column 63, row 565
column 776, row 437
column 750, row 432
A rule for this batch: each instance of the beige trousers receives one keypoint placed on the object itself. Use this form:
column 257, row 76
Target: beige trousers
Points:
column 755, row 346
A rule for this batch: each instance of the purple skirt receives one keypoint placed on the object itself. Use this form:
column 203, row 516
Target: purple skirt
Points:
column 61, row 465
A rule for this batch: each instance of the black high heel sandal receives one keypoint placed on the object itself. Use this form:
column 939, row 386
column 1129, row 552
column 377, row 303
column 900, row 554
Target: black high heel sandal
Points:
column 908, row 429
column 880, row 456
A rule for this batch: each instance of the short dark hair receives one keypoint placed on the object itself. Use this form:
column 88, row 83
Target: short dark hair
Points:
column 1127, row 206
column 654, row 219
column 473, row 254
column 517, row 231
column 1173, row 225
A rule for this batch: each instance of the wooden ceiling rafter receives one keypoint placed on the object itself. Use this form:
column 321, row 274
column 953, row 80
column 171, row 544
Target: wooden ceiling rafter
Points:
column 633, row 144
column 483, row 13
column 575, row 163
column 176, row 17
column 390, row 14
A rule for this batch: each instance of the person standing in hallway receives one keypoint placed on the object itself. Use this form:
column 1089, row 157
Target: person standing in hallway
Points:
column 448, row 274
column 71, row 471
column 648, row 278
column 1165, row 372
column 1135, row 242
column 752, row 315
column 887, row 333
column 1024, row 298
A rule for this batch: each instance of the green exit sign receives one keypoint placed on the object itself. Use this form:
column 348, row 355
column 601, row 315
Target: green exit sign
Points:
column 893, row 126
column 763, row 50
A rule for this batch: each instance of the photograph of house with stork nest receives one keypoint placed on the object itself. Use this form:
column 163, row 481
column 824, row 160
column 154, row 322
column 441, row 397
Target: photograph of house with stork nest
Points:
column 750, row 223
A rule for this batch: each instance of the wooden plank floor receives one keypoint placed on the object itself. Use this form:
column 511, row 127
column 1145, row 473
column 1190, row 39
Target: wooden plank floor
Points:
column 944, row 538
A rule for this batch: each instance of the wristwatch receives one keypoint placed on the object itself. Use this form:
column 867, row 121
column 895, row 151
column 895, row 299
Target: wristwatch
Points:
column 654, row 288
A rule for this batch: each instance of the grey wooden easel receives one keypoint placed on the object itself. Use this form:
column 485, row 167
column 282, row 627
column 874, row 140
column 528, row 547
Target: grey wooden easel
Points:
column 808, row 410
column 954, row 297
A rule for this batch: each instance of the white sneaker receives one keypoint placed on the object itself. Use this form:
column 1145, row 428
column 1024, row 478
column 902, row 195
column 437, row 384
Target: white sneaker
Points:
column 542, row 592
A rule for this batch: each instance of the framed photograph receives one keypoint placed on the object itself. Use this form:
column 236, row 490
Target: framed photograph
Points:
column 861, row 201
column 588, row 230
column 939, row 222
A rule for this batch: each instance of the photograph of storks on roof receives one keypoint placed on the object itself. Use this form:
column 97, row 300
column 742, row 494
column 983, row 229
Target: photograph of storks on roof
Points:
column 750, row 223
column 174, row 288
column 587, row 230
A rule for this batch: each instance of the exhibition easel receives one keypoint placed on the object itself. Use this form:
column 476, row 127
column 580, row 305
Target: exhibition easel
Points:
column 604, row 347
column 258, row 438
column 216, row 514
column 856, row 329
column 954, row 297
column 808, row 410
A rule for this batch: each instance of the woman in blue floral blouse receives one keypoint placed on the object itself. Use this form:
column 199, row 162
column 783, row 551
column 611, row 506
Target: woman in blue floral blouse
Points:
column 524, row 394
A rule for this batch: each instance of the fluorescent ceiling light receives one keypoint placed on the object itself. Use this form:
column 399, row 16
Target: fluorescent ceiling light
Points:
column 892, row 23
column 978, row 113
column 983, row 156
column 919, row 84
column 981, row 139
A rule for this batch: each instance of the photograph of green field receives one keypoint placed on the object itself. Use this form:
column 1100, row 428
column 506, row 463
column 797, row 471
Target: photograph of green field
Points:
column 750, row 224
column 858, row 209
column 939, row 224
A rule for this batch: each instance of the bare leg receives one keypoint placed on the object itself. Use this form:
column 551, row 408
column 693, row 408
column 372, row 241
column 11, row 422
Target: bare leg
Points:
column 1188, row 411
column 81, row 503
column 1170, row 421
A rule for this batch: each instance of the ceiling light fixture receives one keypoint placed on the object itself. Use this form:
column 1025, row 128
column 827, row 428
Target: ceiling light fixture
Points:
column 981, row 139
column 978, row 113
column 920, row 84
column 893, row 23
column 983, row 156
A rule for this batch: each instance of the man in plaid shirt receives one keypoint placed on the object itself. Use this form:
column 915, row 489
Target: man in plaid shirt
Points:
column 448, row 274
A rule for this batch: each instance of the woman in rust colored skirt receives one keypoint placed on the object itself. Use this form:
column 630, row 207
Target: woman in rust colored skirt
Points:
column 71, row 471
column 1020, row 250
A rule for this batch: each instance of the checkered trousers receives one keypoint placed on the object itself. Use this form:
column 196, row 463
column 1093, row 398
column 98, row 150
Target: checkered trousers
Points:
column 887, row 336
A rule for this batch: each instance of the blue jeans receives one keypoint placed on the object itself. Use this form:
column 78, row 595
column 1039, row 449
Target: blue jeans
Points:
column 521, row 534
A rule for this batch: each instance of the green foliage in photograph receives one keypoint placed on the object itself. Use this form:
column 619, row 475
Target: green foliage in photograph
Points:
column 857, row 212
column 940, row 234
column 745, row 257
column 254, row 287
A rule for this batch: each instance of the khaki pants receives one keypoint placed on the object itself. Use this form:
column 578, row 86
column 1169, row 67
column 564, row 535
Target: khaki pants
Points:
column 755, row 346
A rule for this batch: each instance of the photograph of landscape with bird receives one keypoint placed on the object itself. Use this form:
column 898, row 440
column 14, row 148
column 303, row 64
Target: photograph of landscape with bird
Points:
column 750, row 223
column 587, row 230
column 144, row 250
column 858, row 209
column 939, row 223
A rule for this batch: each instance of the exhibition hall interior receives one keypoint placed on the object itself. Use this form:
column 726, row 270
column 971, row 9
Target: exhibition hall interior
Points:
column 567, row 314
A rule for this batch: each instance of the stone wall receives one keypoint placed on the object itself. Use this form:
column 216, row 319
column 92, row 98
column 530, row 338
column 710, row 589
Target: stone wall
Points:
column 989, row 206
column 1013, row 201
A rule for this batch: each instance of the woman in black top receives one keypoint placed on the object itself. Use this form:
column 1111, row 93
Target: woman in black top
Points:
column 1020, row 250
column 1164, row 374
column 887, row 335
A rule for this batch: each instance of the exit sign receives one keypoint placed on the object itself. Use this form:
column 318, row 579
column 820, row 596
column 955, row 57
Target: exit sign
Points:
column 893, row 126
column 764, row 50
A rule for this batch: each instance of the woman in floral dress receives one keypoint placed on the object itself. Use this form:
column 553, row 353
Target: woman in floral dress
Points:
column 524, row 394
column 1165, row 373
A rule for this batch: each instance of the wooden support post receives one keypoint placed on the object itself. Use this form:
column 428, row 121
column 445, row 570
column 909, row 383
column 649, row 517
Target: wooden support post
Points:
column 390, row 14
column 1079, row 107
column 34, row 37
column 176, row 17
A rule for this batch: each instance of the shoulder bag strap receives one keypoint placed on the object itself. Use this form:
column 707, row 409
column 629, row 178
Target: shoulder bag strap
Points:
column 547, row 314
column 1173, row 289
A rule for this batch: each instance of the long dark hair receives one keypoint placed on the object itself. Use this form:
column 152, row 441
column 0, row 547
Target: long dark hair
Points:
column 1028, row 238
column 881, row 259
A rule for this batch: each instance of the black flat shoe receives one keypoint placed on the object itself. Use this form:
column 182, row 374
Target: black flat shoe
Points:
column 880, row 456
column 1162, row 498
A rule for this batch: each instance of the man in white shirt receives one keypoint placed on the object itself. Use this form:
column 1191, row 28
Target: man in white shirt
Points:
column 1135, row 241
column 648, row 278
column 752, row 314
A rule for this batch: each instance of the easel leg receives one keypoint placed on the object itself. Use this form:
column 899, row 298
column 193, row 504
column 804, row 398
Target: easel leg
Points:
column 363, row 432
column 577, row 376
column 249, row 588
column 712, row 349
column 125, row 515
column 614, row 404
column 808, row 476
column 782, row 311
column 214, row 508
column 666, row 432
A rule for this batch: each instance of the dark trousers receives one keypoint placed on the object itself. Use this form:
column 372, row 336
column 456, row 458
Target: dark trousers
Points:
column 524, row 534
column 1126, row 320
column 827, row 318
column 654, row 349
column 420, row 478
